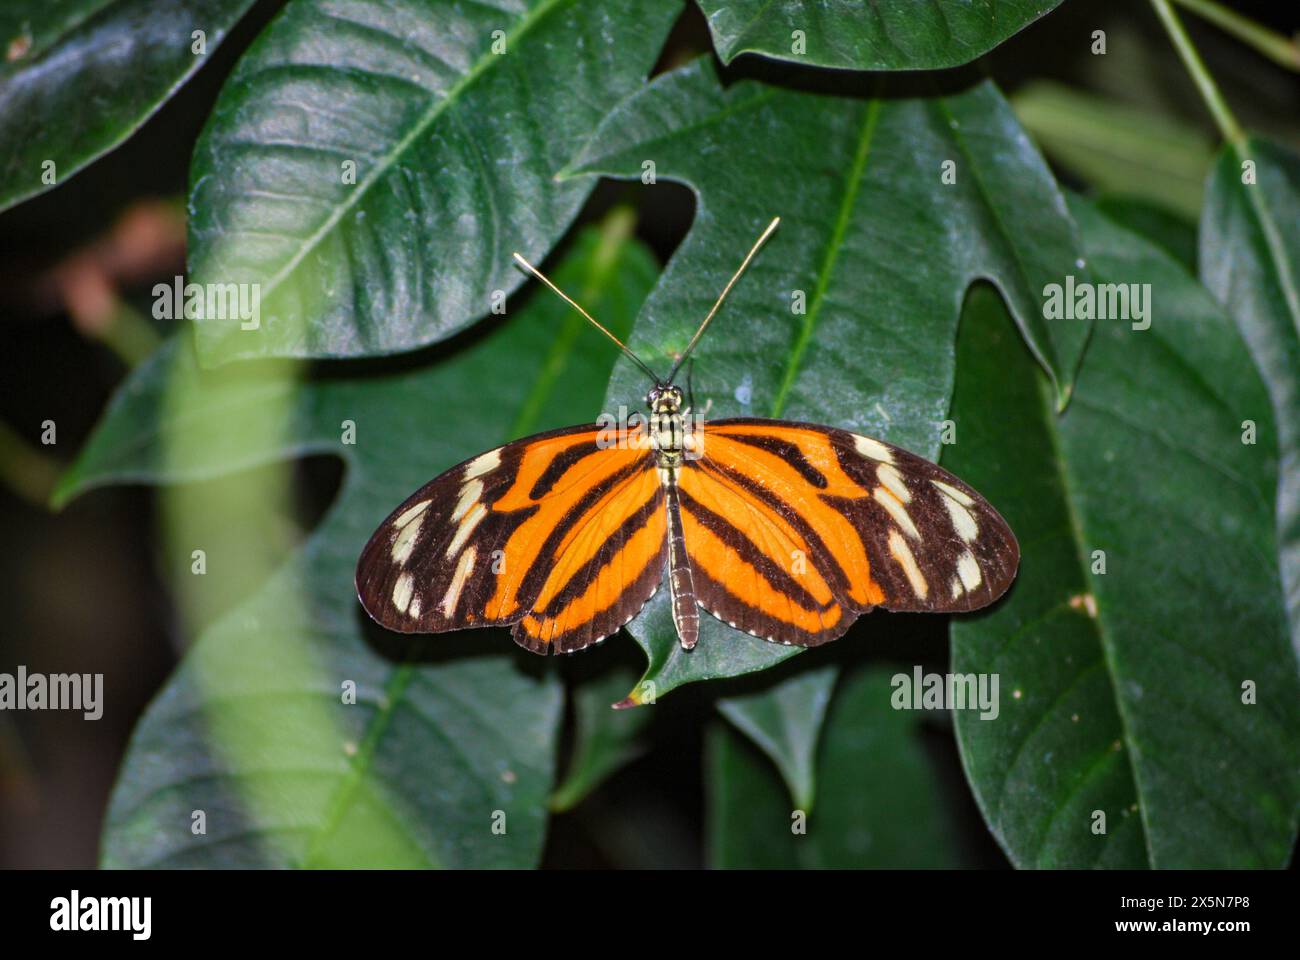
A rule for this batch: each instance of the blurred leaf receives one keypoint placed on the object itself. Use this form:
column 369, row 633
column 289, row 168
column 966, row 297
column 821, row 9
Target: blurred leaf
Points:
column 874, row 247
column 80, row 76
column 453, row 144
column 251, row 728
column 1117, row 147
column 879, row 801
column 861, row 36
column 1250, row 260
column 785, row 722
column 1172, row 232
column 604, row 740
column 1122, row 692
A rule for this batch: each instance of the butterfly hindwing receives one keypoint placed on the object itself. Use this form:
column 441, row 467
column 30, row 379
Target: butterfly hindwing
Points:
column 793, row 530
column 561, row 535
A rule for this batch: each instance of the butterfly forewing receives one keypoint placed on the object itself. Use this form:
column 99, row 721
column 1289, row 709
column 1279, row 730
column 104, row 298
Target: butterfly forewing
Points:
column 790, row 530
column 793, row 530
column 561, row 535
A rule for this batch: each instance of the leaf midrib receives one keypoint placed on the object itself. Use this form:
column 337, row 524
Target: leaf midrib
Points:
column 852, row 187
column 1276, row 247
column 390, row 158
column 1045, row 389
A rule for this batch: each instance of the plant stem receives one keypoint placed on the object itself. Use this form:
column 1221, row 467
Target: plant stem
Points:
column 1228, row 125
column 1278, row 48
column 24, row 469
column 130, row 336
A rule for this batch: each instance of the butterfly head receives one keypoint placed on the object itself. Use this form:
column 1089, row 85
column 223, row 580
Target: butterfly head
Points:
column 664, row 398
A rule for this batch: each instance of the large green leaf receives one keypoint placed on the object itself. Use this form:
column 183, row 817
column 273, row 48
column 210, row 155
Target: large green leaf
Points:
column 1250, row 260
column 1167, row 230
column 873, row 241
column 879, row 799
column 1115, row 146
column 449, row 116
column 80, row 76
column 867, row 36
column 785, row 722
column 604, row 741
column 1125, row 691
column 445, row 731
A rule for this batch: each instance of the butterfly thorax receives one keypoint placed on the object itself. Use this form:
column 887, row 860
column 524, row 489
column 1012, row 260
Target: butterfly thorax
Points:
column 667, row 433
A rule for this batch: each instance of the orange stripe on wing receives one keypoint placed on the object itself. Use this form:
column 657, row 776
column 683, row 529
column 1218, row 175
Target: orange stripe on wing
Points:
column 605, row 589
column 598, row 523
column 724, row 564
column 768, row 531
column 535, row 461
column 786, row 482
column 525, row 544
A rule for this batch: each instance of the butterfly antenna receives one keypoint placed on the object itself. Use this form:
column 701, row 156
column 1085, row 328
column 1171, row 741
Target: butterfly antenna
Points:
column 722, row 296
column 594, row 322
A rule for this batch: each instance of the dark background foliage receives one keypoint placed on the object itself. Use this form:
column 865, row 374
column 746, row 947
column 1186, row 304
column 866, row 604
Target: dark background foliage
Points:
column 98, row 585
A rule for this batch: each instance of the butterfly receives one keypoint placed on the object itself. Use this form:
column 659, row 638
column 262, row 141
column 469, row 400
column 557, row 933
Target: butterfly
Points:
column 787, row 531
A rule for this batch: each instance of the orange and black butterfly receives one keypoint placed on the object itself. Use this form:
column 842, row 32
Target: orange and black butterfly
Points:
column 788, row 531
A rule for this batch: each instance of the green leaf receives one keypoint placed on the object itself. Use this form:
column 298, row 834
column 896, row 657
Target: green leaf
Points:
column 874, row 248
column 1117, row 147
column 1250, row 260
column 785, row 722
column 446, row 730
column 604, row 740
column 450, row 116
column 878, row 795
column 1173, row 233
column 1124, row 692
column 868, row 36
column 80, row 76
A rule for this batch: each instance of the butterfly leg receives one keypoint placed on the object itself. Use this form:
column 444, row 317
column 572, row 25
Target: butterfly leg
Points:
column 686, row 610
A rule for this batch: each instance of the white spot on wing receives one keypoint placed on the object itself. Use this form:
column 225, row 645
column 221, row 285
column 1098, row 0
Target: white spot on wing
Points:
column 953, row 492
column 484, row 463
column 409, row 515
column 892, row 479
column 902, row 554
column 472, row 520
column 969, row 571
column 469, row 495
column 962, row 521
column 896, row 510
column 458, row 579
column 873, row 449
column 405, row 541
column 403, row 590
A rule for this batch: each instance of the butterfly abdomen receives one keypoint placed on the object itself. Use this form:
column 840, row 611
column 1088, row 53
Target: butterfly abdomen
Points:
column 686, row 610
